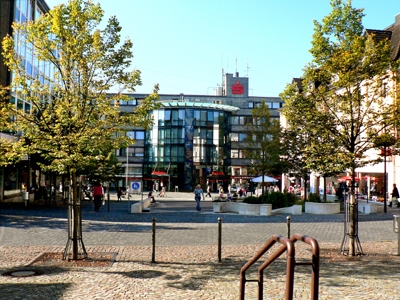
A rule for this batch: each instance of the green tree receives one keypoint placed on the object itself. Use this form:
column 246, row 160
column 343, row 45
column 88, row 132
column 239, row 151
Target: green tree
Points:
column 345, row 88
column 293, row 152
column 73, row 120
column 262, row 142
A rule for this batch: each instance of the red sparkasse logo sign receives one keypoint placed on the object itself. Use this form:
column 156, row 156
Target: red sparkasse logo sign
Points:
column 237, row 88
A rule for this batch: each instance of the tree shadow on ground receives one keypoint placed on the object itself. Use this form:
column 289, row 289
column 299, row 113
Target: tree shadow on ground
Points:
column 17, row 290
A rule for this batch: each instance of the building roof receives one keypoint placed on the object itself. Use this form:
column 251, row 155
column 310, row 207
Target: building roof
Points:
column 392, row 36
column 205, row 105
column 395, row 38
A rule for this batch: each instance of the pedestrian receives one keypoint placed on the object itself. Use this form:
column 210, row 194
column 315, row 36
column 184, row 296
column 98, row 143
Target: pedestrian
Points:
column 150, row 195
column 221, row 191
column 162, row 192
column 395, row 196
column 240, row 193
column 97, row 195
column 119, row 194
column 198, row 193
column 229, row 188
column 208, row 191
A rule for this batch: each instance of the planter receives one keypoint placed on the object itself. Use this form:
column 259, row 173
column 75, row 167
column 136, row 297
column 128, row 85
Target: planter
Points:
column 315, row 208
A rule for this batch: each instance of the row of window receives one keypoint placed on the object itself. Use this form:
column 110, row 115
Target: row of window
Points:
column 177, row 153
column 274, row 105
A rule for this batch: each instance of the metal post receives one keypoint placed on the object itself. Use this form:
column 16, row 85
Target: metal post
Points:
column 153, row 255
column 398, row 242
column 108, row 197
column 396, row 228
column 288, row 226
column 384, row 181
column 219, row 238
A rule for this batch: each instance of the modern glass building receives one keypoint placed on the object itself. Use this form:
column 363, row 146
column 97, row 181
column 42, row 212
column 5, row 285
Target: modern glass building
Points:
column 196, row 139
column 20, row 11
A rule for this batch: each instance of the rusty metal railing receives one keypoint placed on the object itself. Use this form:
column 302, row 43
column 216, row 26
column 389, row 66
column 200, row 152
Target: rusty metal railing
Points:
column 287, row 245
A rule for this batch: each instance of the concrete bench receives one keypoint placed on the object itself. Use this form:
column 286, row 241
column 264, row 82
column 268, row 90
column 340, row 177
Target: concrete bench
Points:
column 371, row 207
column 138, row 207
column 327, row 208
column 242, row 208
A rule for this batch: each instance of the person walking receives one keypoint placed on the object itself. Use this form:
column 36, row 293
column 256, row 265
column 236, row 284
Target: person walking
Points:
column 198, row 194
column 119, row 194
column 97, row 195
column 150, row 195
column 208, row 191
column 395, row 196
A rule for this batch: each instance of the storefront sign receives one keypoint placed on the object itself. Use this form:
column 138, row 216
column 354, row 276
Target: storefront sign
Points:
column 237, row 88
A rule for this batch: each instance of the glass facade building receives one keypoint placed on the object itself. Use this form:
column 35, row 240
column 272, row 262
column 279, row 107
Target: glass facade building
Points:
column 195, row 139
column 13, row 176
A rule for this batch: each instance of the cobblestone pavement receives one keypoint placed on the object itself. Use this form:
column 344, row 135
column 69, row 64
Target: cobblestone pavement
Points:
column 186, row 253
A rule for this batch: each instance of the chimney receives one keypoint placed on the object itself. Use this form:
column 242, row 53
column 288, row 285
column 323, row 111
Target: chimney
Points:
column 237, row 74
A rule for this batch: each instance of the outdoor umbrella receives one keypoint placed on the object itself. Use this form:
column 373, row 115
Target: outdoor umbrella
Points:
column 266, row 179
column 347, row 178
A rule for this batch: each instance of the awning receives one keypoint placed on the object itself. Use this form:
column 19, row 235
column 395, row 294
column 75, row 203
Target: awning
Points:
column 217, row 173
column 159, row 173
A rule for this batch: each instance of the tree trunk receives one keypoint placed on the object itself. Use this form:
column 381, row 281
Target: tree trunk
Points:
column 352, row 216
column 75, row 217
column 305, row 187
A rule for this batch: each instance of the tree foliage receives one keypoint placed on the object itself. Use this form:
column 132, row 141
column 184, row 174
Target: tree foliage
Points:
column 262, row 142
column 345, row 95
column 71, row 117
column 71, row 120
column 345, row 88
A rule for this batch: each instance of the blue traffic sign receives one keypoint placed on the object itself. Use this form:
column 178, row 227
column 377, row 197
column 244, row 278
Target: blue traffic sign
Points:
column 135, row 186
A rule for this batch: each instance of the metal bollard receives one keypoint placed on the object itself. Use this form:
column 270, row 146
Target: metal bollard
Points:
column 396, row 228
column 219, row 239
column 153, row 255
column 288, row 226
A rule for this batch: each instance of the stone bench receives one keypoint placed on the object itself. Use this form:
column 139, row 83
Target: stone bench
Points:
column 371, row 207
column 242, row 208
column 138, row 207
column 327, row 208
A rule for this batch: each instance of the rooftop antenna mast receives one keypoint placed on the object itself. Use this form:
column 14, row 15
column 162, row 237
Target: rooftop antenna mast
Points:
column 247, row 70
column 237, row 74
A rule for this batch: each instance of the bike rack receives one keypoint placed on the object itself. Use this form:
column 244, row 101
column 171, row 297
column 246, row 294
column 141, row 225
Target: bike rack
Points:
column 287, row 245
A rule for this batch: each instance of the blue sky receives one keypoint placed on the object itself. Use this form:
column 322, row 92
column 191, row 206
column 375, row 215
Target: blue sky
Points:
column 186, row 45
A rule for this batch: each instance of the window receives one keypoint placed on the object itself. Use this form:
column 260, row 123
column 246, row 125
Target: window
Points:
column 275, row 104
column 234, row 137
column 235, row 153
column 242, row 137
column 251, row 104
column 132, row 102
column 137, row 135
column 167, row 115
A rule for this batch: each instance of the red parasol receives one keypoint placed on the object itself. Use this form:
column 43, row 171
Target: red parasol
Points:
column 348, row 178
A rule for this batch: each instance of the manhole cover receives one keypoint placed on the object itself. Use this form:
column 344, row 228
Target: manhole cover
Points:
column 22, row 273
